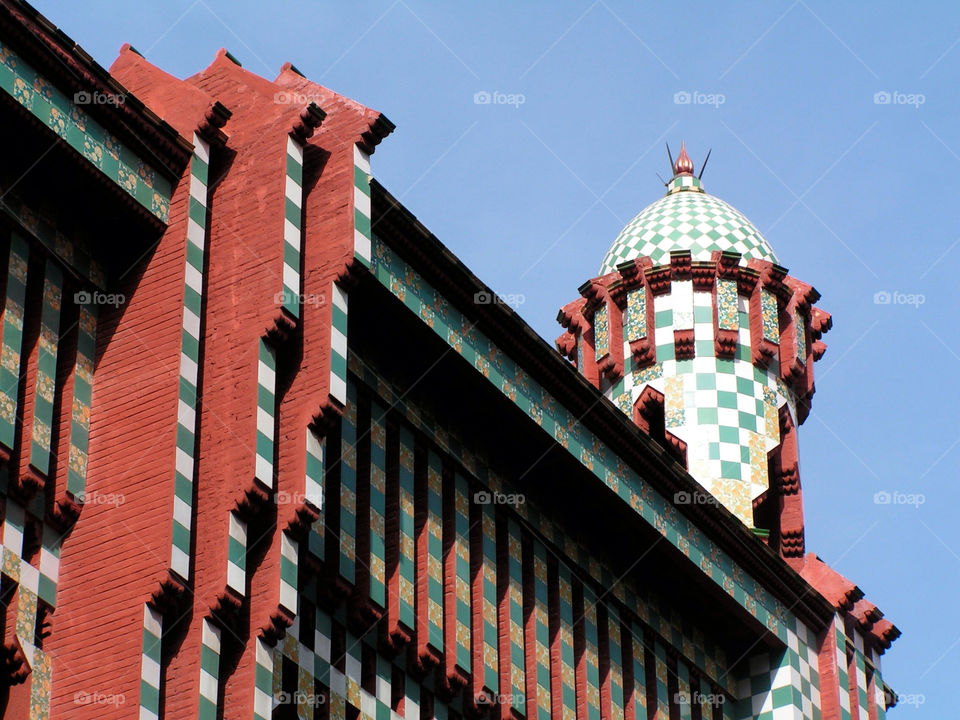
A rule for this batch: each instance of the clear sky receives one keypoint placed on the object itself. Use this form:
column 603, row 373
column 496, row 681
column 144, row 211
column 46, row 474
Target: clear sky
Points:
column 857, row 197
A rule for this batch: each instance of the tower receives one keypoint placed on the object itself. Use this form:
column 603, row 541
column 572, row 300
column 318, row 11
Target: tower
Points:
column 694, row 329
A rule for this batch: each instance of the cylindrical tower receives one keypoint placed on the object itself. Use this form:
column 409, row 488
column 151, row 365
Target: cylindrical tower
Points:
column 694, row 330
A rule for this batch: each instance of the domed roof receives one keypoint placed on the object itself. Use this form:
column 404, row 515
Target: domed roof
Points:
column 686, row 219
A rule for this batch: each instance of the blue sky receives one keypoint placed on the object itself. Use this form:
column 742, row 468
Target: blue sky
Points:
column 857, row 197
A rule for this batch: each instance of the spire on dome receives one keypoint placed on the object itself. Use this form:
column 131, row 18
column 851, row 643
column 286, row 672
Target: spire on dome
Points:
column 684, row 165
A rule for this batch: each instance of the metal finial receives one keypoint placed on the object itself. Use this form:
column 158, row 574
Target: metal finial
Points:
column 684, row 165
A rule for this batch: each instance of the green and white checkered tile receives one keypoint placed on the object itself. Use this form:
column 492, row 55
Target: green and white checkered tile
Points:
column 13, row 526
column 843, row 679
column 313, row 480
column 292, row 227
column 288, row 572
column 805, row 662
column 725, row 410
column 44, row 388
column 150, row 665
column 194, row 286
column 263, row 682
column 266, row 412
column 860, row 668
column 686, row 220
column 361, row 205
column 773, row 688
column 17, row 264
column 49, row 565
column 237, row 555
column 209, row 671
column 338, row 344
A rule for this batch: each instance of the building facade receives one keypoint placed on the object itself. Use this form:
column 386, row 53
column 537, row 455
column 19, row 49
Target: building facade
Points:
column 234, row 485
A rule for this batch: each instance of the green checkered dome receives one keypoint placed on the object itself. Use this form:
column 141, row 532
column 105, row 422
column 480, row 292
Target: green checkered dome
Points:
column 687, row 218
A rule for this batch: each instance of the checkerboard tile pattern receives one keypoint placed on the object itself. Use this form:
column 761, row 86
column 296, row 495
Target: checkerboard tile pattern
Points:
column 237, row 555
column 266, row 412
column 193, row 291
column 313, row 480
column 209, row 671
column 361, row 205
column 150, row 664
column 338, row 344
column 292, row 223
column 36, row 587
column 726, row 410
column 686, row 219
column 783, row 683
